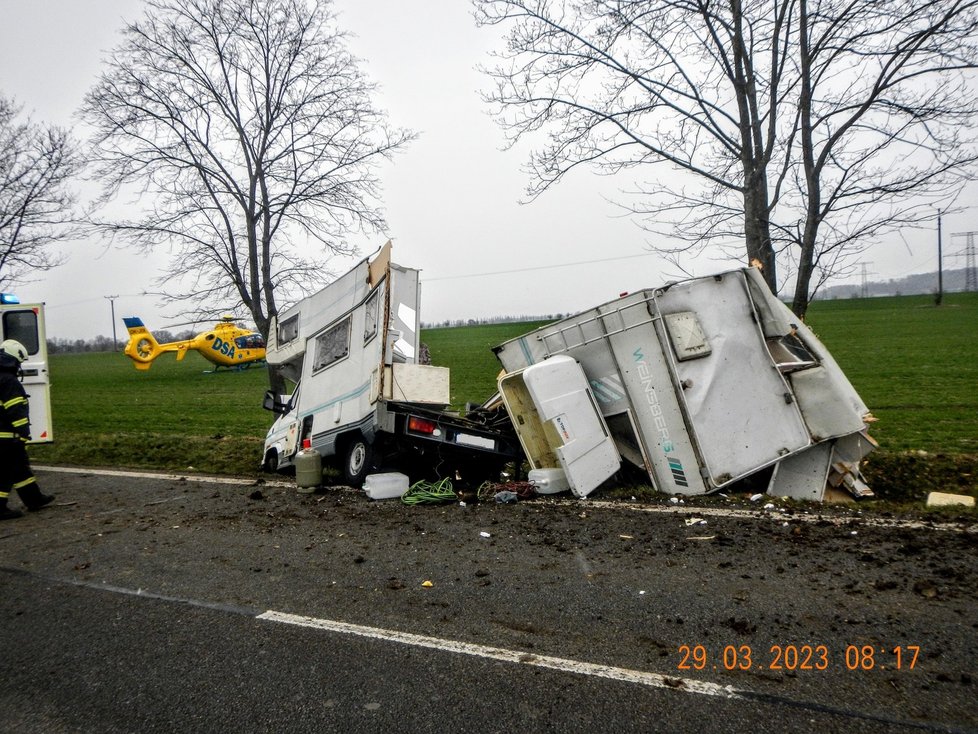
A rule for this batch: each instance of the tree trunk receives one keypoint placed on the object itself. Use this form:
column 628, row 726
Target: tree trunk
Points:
column 757, row 230
column 806, row 255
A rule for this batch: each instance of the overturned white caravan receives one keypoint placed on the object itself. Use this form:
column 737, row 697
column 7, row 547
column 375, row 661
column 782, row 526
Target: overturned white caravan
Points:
column 701, row 383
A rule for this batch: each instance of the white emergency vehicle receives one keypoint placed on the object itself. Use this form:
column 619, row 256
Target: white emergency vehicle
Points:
column 25, row 323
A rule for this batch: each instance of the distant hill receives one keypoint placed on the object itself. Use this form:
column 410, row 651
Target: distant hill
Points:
column 916, row 284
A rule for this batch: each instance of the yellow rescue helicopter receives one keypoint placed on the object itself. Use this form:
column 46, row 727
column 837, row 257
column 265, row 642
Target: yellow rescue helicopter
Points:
column 226, row 345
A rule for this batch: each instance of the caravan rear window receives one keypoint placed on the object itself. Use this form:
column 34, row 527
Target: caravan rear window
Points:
column 22, row 326
column 332, row 345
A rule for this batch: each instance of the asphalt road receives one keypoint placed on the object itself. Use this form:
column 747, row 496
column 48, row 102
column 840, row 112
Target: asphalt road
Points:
column 141, row 604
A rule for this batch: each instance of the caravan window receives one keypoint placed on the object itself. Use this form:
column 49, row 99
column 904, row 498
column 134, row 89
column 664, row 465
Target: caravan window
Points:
column 332, row 345
column 371, row 317
column 288, row 330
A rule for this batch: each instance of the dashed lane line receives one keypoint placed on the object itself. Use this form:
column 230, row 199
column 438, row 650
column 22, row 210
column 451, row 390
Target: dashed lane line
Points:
column 624, row 675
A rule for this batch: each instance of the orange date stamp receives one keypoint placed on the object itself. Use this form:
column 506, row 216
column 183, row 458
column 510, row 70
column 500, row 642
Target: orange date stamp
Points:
column 798, row 657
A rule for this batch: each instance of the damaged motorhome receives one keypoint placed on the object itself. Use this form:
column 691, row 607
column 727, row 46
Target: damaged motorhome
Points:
column 362, row 394
column 700, row 383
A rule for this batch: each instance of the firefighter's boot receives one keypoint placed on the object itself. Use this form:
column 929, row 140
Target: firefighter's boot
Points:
column 7, row 513
column 33, row 497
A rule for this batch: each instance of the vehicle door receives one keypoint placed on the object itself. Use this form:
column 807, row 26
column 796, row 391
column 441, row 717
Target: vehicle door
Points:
column 25, row 323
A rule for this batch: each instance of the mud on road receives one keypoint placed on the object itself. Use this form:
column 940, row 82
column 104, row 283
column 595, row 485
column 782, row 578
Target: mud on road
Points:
column 729, row 592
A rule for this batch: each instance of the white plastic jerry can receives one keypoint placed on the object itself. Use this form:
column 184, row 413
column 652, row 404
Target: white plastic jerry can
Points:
column 389, row 485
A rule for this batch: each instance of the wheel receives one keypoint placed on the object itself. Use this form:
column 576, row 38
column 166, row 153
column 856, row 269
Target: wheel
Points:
column 270, row 464
column 358, row 460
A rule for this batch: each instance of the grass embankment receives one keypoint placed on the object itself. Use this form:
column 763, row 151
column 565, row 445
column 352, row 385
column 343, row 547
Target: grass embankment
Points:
column 914, row 364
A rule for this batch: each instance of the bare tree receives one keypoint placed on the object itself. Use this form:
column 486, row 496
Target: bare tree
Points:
column 693, row 85
column 808, row 127
column 248, row 131
column 885, row 123
column 36, row 166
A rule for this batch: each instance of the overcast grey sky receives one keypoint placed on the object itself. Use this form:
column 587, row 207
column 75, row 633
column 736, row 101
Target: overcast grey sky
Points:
column 451, row 197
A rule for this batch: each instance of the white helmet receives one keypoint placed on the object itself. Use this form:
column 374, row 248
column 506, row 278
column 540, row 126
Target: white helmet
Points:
column 15, row 349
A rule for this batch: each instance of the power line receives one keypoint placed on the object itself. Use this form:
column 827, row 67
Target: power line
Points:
column 48, row 306
column 539, row 267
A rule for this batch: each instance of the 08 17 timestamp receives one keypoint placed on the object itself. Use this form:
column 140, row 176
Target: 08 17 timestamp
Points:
column 793, row 657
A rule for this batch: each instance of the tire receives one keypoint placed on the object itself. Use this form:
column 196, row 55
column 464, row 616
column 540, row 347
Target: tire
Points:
column 358, row 460
column 270, row 464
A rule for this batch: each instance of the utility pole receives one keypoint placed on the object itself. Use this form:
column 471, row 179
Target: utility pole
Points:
column 970, row 274
column 864, row 290
column 971, row 277
column 940, row 262
column 111, row 300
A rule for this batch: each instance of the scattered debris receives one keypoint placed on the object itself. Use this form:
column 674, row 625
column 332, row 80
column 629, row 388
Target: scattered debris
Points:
column 925, row 588
column 944, row 499
column 429, row 492
column 523, row 490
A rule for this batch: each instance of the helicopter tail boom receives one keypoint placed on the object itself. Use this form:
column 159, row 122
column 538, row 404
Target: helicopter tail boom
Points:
column 142, row 347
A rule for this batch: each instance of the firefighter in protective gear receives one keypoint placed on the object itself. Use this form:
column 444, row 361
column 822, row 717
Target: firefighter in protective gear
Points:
column 15, row 432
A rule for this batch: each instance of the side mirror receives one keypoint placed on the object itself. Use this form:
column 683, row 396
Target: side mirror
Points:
column 272, row 403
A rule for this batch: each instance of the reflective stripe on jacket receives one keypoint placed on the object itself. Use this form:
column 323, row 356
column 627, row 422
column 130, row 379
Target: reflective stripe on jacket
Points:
column 14, row 408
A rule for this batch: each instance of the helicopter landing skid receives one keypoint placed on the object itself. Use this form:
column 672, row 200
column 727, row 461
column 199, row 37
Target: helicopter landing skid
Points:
column 235, row 368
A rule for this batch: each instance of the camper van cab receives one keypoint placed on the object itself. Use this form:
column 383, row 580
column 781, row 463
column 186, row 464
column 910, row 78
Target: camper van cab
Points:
column 361, row 395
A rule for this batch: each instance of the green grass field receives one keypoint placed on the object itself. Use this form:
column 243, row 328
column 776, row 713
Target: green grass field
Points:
column 914, row 364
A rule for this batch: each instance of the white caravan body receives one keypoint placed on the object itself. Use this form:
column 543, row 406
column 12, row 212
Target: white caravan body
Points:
column 707, row 381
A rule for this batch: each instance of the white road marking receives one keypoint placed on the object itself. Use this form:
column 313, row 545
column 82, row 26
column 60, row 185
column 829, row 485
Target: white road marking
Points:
column 624, row 675
column 166, row 477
